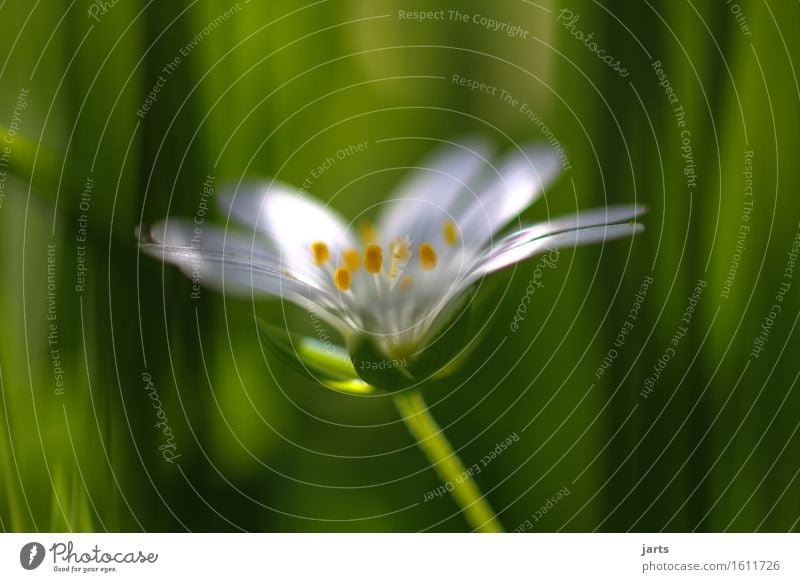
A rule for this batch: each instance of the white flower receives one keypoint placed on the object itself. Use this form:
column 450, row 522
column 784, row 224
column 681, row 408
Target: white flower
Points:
column 392, row 280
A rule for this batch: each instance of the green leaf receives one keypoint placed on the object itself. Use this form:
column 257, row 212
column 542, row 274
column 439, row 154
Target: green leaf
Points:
column 33, row 162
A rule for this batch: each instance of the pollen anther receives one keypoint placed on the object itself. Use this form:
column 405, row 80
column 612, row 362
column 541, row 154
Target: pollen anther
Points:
column 367, row 232
column 450, row 233
column 401, row 249
column 406, row 283
column 320, row 252
column 427, row 256
column 341, row 278
column 352, row 259
column 373, row 259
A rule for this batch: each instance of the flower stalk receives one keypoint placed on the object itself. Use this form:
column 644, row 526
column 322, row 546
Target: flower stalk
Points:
column 451, row 470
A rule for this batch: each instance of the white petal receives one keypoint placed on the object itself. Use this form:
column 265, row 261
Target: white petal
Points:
column 583, row 219
column 227, row 263
column 291, row 220
column 235, row 266
column 519, row 181
column 597, row 216
column 178, row 232
column 516, row 250
column 512, row 250
column 434, row 192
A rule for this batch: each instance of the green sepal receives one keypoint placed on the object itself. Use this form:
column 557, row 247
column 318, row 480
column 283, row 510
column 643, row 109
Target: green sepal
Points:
column 357, row 386
column 475, row 334
column 439, row 355
column 376, row 368
column 325, row 362
column 436, row 358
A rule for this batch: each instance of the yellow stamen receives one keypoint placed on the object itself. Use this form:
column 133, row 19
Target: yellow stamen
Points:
column 373, row 259
column 450, row 233
column 406, row 283
column 368, row 232
column 341, row 278
column 427, row 256
column 352, row 259
column 401, row 249
column 320, row 252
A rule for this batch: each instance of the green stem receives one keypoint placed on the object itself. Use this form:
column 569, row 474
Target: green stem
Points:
column 446, row 462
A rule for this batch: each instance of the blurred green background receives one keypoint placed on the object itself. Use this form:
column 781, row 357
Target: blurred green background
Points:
column 274, row 88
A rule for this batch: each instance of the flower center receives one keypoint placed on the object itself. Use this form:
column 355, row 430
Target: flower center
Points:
column 399, row 252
